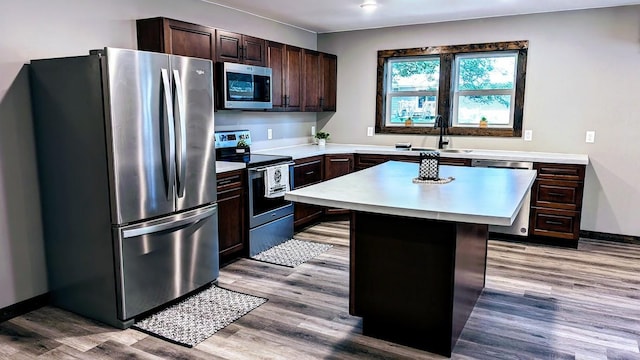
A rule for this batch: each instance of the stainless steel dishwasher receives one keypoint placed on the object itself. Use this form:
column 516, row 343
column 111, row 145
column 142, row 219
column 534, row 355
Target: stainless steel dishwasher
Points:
column 520, row 225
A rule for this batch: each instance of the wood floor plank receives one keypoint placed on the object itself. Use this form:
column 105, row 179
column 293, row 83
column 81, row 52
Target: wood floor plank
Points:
column 540, row 302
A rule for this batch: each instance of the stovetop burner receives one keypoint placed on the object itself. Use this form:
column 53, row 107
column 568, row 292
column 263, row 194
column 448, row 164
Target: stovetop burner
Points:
column 227, row 150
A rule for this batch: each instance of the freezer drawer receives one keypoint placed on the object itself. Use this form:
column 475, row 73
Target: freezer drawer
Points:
column 161, row 260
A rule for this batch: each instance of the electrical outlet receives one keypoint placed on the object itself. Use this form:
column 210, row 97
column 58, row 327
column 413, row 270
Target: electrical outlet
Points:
column 591, row 137
column 269, row 134
column 370, row 131
column 528, row 135
column 313, row 130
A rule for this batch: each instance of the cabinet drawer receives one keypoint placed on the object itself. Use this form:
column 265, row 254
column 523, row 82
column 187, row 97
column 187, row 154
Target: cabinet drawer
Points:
column 230, row 180
column 556, row 223
column 455, row 161
column 366, row 161
column 308, row 172
column 557, row 194
column 560, row 171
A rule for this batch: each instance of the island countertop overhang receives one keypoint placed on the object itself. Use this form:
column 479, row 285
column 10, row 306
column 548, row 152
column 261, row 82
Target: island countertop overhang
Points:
column 477, row 195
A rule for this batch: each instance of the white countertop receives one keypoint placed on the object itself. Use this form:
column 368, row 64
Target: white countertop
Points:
column 302, row 151
column 477, row 195
column 224, row 166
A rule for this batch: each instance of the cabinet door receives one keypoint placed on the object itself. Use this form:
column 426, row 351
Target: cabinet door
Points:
column 253, row 51
column 276, row 61
column 176, row 37
column 329, row 79
column 311, row 80
column 228, row 46
column 334, row 166
column 293, row 78
column 307, row 171
column 231, row 216
column 337, row 165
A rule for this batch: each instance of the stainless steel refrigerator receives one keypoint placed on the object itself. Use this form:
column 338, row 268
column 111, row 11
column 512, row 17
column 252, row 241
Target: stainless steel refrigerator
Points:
column 126, row 165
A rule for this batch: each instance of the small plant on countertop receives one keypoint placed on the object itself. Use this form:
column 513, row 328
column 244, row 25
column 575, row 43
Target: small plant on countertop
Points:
column 322, row 135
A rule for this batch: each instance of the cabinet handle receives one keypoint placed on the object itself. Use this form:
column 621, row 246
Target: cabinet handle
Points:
column 552, row 222
column 339, row 160
column 309, row 173
column 321, row 102
column 286, row 100
column 555, row 194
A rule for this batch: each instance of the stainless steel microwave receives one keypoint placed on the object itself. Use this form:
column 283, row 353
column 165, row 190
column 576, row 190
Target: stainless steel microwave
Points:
column 246, row 87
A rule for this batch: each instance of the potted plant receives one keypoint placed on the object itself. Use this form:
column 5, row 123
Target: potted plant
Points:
column 483, row 122
column 322, row 137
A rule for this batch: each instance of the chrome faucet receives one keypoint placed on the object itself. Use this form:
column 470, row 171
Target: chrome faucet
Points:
column 439, row 122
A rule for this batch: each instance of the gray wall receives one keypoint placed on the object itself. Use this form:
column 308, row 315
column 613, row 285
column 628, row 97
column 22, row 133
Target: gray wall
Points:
column 34, row 29
column 583, row 73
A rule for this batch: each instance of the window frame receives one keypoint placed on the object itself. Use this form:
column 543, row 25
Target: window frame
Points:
column 445, row 90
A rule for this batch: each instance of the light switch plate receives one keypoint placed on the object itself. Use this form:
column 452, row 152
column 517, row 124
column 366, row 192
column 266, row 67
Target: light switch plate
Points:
column 528, row 135
column 590, row 137
column 269, row 134
column 313, row 130
column 370, row 131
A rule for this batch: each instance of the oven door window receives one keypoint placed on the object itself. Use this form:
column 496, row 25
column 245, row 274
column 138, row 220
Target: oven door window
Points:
column 262, row 204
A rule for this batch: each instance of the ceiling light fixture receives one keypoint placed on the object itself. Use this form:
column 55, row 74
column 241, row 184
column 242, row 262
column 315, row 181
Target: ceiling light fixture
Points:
column 369, row 5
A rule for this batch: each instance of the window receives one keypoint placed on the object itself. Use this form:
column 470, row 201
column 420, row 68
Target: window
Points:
column 463, row 83
column 413, row 91
column 484, row 88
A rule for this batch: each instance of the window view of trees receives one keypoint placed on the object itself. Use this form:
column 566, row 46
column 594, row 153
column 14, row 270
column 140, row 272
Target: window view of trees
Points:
column 484, row 88
column 463, row 83
column 413, row 91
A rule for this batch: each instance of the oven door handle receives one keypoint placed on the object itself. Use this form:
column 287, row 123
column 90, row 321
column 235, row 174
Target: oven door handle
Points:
column 265, row 168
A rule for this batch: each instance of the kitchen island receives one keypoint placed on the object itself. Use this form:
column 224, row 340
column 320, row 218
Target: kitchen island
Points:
column 418, row 251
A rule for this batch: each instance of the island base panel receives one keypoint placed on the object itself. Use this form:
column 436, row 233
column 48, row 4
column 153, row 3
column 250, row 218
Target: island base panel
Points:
column 415, row 281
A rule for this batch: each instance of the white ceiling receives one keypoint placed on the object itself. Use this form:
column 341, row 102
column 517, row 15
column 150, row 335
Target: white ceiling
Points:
column 322, row 16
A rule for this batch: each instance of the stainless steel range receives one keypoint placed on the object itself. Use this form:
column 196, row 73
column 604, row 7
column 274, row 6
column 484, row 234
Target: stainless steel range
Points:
column 270, row 215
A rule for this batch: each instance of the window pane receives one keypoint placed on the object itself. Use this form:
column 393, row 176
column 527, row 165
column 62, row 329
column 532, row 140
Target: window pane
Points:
column 484, row 73
column 496, row 108
column 415, row 75
column 421, row 109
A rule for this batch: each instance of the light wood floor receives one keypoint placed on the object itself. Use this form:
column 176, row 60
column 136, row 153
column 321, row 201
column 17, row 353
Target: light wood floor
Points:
column 540, row 302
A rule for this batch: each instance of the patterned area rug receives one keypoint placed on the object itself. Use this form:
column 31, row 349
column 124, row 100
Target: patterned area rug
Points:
column 292, row 252
column 197, row 317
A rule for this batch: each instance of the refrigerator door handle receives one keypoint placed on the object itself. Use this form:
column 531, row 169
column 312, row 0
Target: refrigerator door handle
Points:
column 150, row 229
column 181, row 159
column 169, row 159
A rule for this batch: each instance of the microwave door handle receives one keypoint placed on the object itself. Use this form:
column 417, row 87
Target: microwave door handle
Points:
column 168, row 136
column 181, row 143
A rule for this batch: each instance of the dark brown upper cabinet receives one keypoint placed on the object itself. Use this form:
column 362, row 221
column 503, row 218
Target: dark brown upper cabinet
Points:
column 239, row 48
column 328, row 81
column 311, row 80
column 176, row 37
column 285, row 62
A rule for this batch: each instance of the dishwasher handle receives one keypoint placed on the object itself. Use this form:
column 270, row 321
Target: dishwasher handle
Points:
column 502, row 164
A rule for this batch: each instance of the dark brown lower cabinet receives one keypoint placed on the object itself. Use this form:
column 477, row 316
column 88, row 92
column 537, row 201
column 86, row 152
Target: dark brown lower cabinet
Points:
column 307, row 171
column 232, row 215
column 337, row 165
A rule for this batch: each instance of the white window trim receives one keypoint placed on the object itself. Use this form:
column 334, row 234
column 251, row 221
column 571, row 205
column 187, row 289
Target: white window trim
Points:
column 391, row 94
column 457, row 93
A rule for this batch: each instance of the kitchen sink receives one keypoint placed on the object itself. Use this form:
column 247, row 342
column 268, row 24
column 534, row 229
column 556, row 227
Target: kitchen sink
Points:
column 455, row 150
column 441, row 150
column 422, row 149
